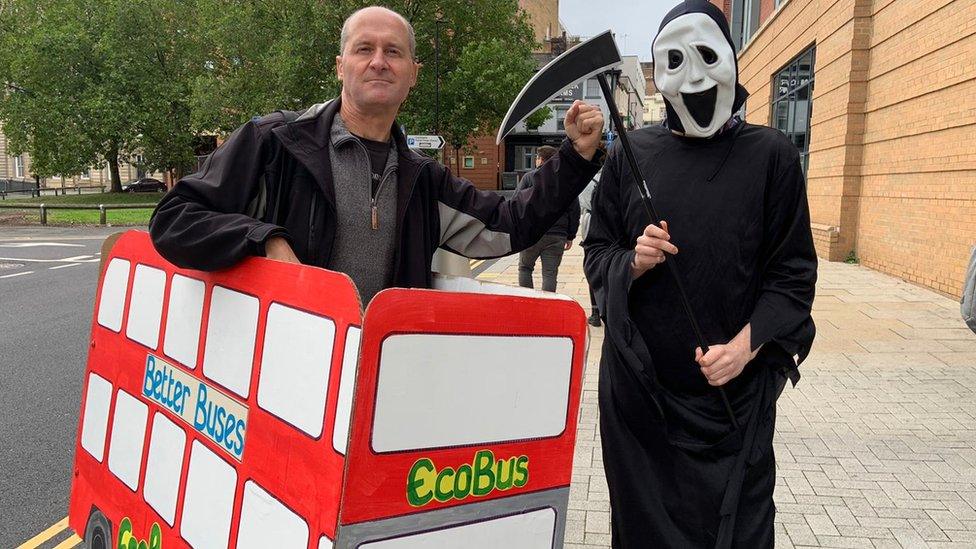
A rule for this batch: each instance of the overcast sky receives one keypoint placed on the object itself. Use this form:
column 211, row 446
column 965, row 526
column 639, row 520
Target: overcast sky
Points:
column 634, row 22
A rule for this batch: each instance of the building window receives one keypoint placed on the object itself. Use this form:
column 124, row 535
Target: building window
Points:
column 524, row 157
column 792, row 101
column 19, row 167
column 744, row 21
column 468, row 162
column 561, row 118
column 593, row 89
column 86, row 174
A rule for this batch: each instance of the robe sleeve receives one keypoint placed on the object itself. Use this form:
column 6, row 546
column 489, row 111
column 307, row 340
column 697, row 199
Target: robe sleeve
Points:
column 789, row 267
column 608, row 255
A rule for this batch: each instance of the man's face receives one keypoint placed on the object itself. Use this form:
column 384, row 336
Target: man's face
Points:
column 694, row 68
column 376, row 67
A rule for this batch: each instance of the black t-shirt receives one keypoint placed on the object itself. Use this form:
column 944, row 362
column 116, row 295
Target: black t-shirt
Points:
column 379, row 153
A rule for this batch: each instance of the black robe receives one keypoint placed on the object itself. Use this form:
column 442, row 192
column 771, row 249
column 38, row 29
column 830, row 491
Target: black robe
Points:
column 736, row 207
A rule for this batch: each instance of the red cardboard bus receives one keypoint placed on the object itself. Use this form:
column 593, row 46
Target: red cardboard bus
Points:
column 258, row 407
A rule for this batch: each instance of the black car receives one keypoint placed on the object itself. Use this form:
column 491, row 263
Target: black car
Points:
column 144, row 185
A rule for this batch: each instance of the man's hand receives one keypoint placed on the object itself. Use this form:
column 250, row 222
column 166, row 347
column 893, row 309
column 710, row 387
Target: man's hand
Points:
column 277, row 248
column 584, row 126
column 569, row 244
column 723, row 363
column 651, row 247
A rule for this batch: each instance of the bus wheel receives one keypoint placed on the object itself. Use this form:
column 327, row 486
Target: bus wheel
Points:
column 98, row 532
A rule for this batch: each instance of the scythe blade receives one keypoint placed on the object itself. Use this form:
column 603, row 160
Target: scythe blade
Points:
column 578, row 63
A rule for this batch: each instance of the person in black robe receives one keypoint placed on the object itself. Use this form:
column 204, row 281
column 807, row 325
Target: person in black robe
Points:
column 732, row 198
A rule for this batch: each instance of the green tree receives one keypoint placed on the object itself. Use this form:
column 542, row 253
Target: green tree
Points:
column 265, row 56
column 535, row 120
column 485, row 57
column 92, row 81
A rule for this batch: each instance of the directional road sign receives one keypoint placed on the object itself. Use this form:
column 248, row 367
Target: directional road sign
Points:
column 425, row 141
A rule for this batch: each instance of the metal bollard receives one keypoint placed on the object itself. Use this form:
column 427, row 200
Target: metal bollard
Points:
column 43, row 214
column 101, row 214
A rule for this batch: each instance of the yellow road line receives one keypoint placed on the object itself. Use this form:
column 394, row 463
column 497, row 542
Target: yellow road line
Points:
column 73, row 541
column 476, row 263
column 47, row 534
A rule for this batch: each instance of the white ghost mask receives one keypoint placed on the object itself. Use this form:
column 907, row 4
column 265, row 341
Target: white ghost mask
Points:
column 695, row 70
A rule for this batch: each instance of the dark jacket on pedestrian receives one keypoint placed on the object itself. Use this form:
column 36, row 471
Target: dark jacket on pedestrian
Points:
column 203, row 223
column 568, row 224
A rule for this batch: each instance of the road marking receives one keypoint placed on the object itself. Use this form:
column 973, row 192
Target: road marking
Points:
column 47, row 534
column 475, row 263
column 63, row 266
column 31, row 238
column 78, row 258
column 72, row 541
column 17, row 274
column 40, row 244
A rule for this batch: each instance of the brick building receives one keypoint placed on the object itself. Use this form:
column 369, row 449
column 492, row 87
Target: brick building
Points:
column 880, row 98
column 482, row 162
column 654, row 101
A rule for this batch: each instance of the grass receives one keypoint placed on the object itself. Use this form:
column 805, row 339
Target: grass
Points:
column 87, row 217
column 90, row 217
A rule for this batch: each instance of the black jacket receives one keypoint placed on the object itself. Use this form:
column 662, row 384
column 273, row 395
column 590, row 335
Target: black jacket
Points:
column 202, row 223
column 567, row 224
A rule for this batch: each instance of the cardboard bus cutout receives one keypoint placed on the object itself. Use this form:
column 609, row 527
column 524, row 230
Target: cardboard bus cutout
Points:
column 257, row 407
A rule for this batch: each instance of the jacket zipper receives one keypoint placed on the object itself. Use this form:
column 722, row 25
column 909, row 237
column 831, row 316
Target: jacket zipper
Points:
column 374, row 214
column 374, row 200
column 311, row 230
column 396, row 248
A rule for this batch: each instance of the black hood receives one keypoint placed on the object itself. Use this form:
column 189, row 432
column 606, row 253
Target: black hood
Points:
column 713, row 12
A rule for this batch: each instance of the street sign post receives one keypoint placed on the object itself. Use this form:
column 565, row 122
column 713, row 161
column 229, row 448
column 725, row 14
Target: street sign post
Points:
column 425, row 142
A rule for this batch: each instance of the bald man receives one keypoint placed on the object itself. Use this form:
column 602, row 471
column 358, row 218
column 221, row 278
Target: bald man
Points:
column 337, row 187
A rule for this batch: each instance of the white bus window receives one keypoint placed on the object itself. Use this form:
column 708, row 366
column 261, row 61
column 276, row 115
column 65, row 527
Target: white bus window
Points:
column 112, row 301
column 98, row 399
column 347, row 382
column 183, row 317
column 164, row 467
column 265, row 522
column 128, row 438
column 146, row 306
column 456, row 390
column 295, row 367
column 231, row 330
column 209, row 499
column 533, row 530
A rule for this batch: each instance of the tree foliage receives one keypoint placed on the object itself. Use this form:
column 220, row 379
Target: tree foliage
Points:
column 265, row 56
column 94, row 81
column 535, row 120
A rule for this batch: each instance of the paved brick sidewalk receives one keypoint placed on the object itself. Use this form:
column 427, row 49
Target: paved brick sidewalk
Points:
column 875, row 448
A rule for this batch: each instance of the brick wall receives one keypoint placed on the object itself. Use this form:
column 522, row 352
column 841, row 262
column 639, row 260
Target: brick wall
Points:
column 543, row 16
column 892, row 168
column 488, row 161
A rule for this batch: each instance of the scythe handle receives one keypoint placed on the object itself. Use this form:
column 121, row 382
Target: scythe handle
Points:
column 656, row 220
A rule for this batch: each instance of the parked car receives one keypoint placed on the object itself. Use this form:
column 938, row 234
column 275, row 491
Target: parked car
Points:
column 144, row 185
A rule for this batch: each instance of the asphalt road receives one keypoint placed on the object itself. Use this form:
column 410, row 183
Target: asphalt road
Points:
column 47, row 288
